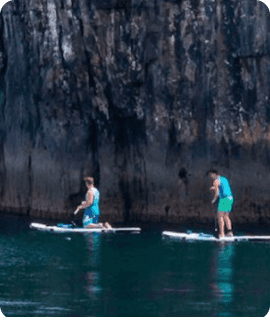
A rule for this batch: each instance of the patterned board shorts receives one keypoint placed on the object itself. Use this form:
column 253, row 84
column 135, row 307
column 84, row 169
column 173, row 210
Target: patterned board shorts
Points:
column 89, row 220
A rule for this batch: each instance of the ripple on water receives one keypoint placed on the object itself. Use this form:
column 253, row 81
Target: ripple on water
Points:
column 17, row 303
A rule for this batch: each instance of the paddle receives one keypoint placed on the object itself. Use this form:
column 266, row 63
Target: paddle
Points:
column 215, row 217
column 214, row 211
column 74, row 224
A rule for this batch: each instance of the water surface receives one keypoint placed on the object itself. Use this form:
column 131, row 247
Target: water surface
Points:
column 45, row 274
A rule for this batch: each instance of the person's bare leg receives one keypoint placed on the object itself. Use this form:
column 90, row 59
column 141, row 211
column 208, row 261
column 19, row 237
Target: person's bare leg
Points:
column 228, row 223
column 99, row 225
column 221, row 223
column 91, row 225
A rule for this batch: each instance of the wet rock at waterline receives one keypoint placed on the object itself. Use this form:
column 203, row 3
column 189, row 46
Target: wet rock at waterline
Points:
column 145, row 95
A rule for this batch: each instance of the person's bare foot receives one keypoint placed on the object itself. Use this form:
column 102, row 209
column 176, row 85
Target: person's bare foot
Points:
column 107, row 225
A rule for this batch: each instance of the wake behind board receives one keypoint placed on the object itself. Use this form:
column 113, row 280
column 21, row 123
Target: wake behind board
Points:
column 209, row 237
column 43, row 227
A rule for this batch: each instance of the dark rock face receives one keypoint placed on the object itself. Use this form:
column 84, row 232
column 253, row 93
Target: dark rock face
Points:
column 145, row 96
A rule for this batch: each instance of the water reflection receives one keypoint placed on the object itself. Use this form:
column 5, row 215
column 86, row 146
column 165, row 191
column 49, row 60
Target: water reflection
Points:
column 93, row 287
column 93, row 243
column 222, row 288
column 92, row 277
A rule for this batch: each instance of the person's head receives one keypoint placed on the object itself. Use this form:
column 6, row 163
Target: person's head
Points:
column 89, row 181
column 213, row 173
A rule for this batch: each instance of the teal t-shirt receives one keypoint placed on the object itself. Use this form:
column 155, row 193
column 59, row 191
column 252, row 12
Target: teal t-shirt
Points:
column 224, row 188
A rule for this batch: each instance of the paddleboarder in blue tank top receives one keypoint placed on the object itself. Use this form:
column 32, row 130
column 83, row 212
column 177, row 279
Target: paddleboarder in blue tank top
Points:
column 222, row 190
column 91, row 206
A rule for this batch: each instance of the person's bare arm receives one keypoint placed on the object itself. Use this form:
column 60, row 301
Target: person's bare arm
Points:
column 85, row 204
column 215, row 188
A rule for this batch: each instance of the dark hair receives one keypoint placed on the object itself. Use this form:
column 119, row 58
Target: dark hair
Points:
column 89, row 181
column 213, row 171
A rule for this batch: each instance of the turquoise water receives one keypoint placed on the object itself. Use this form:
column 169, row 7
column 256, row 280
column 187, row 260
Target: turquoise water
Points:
column 44, row 274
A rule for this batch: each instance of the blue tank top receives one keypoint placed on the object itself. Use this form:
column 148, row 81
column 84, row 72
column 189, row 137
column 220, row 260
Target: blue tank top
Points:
column 224, row 188
column 94, row 208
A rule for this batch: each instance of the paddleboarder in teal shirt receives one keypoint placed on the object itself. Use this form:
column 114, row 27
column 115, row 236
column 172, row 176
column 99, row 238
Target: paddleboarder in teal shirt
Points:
column 91, row 206
column 222, row 190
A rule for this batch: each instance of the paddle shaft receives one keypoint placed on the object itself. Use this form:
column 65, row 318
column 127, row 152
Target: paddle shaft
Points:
column 215, row 217
column 75, row 212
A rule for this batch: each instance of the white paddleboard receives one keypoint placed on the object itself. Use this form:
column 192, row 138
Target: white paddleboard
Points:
column 209, row 237
column 43, row 227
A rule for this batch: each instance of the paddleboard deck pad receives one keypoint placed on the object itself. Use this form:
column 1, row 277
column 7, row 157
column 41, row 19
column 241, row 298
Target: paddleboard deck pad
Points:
column 210, row 237
column 62, row 228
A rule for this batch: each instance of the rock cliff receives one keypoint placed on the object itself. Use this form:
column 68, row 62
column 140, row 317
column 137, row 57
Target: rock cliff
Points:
column 146, row 96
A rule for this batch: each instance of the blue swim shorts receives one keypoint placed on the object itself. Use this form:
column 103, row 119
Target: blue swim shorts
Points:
column 87, row 219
